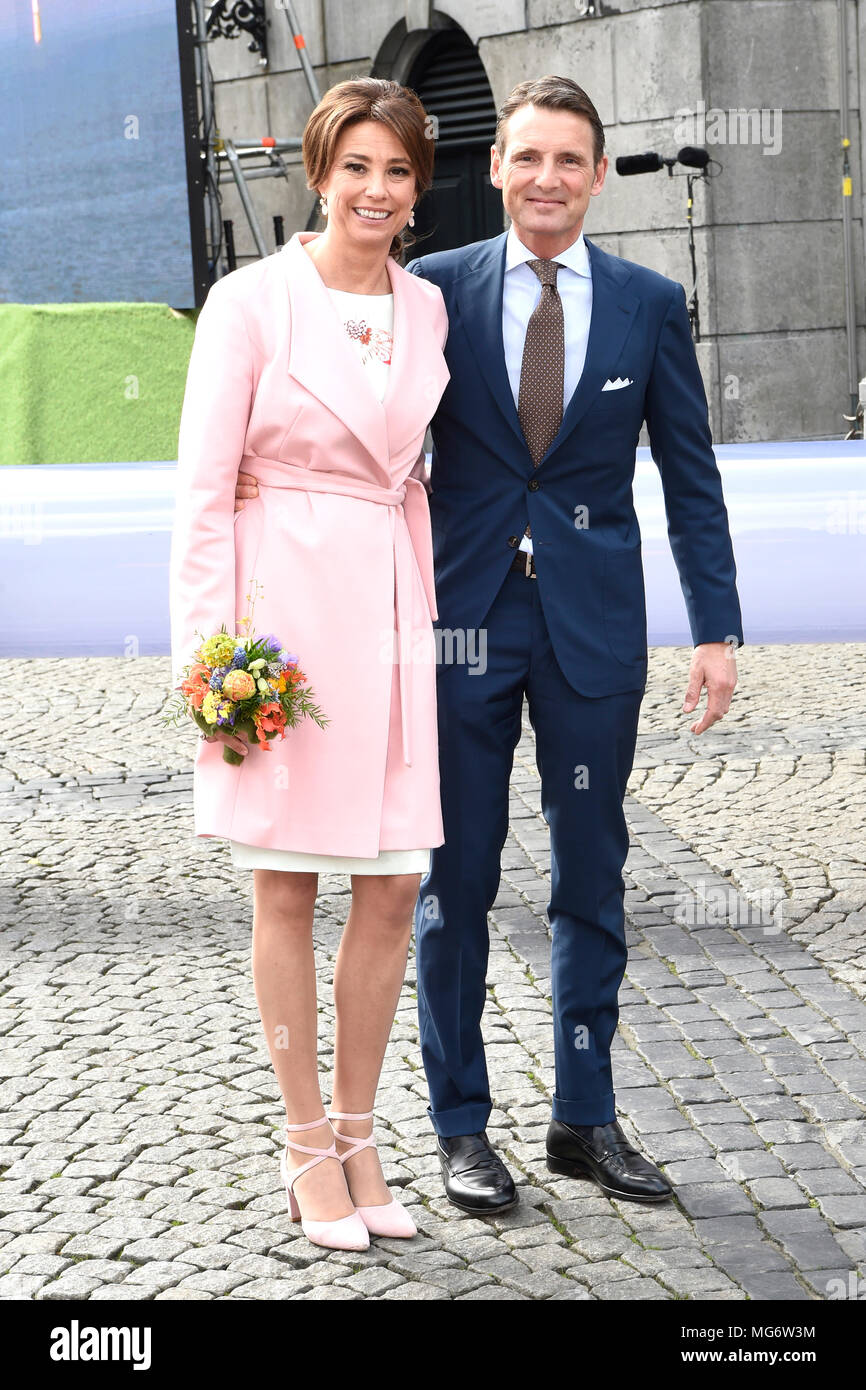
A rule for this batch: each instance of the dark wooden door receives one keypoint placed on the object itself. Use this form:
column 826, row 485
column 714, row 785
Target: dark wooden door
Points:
column 462, row 205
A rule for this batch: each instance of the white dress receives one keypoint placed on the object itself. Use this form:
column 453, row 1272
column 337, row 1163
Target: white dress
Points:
column 369, row 322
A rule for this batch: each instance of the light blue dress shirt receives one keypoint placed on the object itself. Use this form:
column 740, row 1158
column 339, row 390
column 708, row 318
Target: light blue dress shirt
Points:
column 522, row 291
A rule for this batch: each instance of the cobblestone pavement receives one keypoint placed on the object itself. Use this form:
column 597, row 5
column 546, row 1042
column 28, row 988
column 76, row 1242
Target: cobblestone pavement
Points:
column 141, row 1124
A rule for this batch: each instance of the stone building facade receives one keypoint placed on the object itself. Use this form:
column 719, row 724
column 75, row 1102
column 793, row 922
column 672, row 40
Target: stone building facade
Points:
column 755, row 81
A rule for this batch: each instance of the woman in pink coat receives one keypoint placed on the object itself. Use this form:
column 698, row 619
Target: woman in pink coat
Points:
column 317, row 369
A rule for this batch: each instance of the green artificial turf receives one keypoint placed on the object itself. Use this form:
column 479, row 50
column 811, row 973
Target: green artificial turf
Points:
column 92, row 383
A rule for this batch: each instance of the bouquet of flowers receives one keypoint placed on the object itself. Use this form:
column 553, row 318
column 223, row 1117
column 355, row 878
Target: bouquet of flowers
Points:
column 245, row 685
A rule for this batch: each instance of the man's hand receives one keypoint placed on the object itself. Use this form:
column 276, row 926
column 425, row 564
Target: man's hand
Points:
column 246, row 486
column 714, row 666
column 420, row 472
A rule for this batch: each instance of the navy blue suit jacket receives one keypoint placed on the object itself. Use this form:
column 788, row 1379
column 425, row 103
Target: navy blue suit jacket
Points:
column 578, row 500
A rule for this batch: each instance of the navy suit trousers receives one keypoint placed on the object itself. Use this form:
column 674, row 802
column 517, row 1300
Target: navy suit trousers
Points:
column 585, row 749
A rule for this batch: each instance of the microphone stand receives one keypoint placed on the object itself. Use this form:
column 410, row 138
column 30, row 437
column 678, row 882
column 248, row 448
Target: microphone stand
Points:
column 645, row 164
column 694, row 318
column 692, row 302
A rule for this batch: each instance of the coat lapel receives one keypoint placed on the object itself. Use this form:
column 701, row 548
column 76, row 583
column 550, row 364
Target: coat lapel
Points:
column 419, row 372
column 321, row 357
column 479, row 298
column 479, row 295
column 613, row 309
column 324, row 361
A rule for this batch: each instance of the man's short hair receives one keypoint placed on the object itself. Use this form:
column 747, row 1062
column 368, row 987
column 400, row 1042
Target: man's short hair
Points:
column 553, row 94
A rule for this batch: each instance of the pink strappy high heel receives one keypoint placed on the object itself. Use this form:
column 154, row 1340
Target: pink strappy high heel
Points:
column 389, row 1219
column 347, row 1233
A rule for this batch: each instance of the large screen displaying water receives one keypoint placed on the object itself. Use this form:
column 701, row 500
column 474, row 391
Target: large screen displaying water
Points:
column 93, row 197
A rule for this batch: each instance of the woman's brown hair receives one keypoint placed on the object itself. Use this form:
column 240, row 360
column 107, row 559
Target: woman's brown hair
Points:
column 370, row 99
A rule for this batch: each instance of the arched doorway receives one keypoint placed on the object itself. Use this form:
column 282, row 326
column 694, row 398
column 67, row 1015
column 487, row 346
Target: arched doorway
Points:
column 462, row 206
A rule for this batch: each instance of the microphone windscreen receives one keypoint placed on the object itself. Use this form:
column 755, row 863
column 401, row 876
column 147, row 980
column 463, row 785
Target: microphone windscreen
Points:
column 692, row 156
column 648, row 163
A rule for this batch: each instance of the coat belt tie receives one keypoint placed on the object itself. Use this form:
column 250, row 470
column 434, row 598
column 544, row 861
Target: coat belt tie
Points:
column 414, row 511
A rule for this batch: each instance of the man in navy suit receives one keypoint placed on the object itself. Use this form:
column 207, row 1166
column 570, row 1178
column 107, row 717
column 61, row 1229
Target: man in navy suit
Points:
column 558, row 351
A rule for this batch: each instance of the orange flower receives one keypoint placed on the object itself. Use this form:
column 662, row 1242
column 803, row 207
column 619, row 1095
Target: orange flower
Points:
column 269, row 718
column 197, row 684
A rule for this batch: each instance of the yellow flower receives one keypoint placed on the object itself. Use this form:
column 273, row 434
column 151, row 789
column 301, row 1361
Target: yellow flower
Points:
column 218, row 650
column 209, row 707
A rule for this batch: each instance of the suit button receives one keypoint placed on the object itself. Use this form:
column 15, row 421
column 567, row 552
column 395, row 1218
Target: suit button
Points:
column 514, row 542
column 533, row 485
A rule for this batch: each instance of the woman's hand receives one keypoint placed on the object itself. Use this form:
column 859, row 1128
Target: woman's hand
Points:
column 239, row 742
column 246, row 486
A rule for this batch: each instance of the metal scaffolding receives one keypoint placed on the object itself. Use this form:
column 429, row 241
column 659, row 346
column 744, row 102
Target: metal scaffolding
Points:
column 243, row 155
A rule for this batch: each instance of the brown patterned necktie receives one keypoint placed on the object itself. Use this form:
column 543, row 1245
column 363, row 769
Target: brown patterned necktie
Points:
column 539, row 401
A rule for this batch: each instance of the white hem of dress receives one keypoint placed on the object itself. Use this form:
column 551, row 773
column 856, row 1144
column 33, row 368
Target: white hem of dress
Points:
column 388, row 861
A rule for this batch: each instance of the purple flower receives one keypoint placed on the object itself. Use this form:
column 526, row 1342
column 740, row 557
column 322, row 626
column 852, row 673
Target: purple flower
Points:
column 239, row 659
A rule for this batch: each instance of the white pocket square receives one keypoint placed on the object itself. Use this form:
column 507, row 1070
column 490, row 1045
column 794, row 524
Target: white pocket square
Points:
column 618, row 384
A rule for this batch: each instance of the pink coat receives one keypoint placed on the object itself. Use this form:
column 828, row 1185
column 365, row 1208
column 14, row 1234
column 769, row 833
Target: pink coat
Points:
column 339, row 543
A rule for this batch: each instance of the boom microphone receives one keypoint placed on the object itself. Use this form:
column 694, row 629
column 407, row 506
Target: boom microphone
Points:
column 648, row 163
column 693, row 157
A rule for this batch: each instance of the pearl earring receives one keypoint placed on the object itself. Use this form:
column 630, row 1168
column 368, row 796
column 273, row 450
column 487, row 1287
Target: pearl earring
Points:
column 412, row 218
column 324, row 206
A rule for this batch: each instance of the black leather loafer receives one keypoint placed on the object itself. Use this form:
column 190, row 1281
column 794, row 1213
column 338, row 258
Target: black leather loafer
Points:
column 476, row 1179
column 602, row 1152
